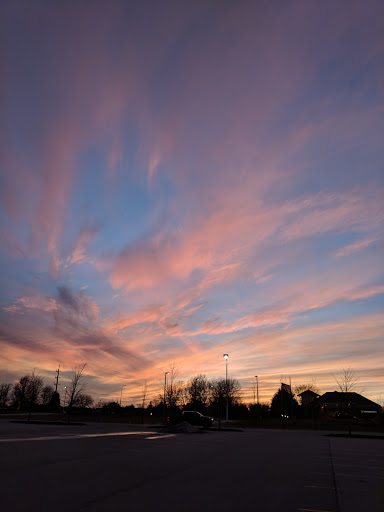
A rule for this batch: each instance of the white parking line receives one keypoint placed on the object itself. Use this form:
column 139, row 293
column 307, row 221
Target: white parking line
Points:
column 75, row 436
column 161, row 436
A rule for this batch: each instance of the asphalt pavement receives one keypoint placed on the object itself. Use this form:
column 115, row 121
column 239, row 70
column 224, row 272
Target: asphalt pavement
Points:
column 102, row 467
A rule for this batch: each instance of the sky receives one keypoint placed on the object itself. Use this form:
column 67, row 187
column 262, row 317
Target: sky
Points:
column 181, row 180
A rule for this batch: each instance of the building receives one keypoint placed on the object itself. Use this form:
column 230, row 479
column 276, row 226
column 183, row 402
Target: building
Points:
column 348, row 404
column 307, row 397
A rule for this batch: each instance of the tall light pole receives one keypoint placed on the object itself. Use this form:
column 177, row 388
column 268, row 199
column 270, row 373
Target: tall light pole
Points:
column 257, row 388
column 226, row 385
column 165, row 388
column 65, row 398
column 121, row 393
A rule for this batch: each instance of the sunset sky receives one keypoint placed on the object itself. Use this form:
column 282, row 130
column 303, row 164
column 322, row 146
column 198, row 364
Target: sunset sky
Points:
column 184, row 179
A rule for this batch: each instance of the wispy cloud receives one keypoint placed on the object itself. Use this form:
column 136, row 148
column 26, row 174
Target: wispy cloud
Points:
column 356, row 247
column 191, row 182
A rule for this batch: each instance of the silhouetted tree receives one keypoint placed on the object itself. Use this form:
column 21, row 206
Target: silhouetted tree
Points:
column 347, row 380
column 198, row 392
column 111, row 408
column 19, row 392
column 54, row 404
column 4, row 393
column 26, row 392
column 220, row 388
column 174, row 392
column 306, row 387
column 83, row 401
column 33, row 391
column 46, row 395
column 284, row 404
column 76, row 387
column 258, row 410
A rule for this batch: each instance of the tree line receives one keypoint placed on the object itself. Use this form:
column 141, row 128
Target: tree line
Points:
column 30, row 394
column 199, row 393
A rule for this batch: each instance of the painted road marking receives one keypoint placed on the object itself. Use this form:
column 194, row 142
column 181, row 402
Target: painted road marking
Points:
column 161, row 436
column 75, row 436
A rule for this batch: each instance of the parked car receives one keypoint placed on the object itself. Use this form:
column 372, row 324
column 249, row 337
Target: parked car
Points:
column 192, row 417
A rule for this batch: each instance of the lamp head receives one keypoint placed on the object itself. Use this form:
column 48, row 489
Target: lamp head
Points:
column 225, row 356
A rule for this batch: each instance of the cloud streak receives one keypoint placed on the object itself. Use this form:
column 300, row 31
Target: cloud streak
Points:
column 181, row 182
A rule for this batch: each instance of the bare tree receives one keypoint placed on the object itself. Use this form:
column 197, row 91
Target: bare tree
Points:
column 19, row 392
column 220, row 388
column 33, row 391
column 46, row 395
column 76, row 387
column 197, row 391
column 4, row 393
column 34, row 388
column 83, row 401
column 174, row 394
column 306, row 387
column 174, row 390
column 26, row 392
column 347, row 380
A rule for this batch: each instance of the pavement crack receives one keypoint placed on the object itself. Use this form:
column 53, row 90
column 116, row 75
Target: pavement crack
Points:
column 338, row 491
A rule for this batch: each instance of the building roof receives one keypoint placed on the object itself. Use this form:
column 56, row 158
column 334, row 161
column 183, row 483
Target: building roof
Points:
column 351, row 399
column 308, row 393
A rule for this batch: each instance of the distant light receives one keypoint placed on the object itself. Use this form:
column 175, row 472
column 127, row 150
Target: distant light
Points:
column 225, row 356
column 166, row 373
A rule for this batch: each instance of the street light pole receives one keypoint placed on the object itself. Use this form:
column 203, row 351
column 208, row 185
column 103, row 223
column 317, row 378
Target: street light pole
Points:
column 257, row 388
column 65, row 398
column 226, row 385
column 165, row 388
column 121, row 393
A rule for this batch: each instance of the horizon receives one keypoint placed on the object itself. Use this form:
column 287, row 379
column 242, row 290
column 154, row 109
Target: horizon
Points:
column 181, row 182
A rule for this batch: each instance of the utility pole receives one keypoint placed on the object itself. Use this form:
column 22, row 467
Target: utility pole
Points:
column 257, row 387
column 226, row 386
column 57, row 378
column 165, row 389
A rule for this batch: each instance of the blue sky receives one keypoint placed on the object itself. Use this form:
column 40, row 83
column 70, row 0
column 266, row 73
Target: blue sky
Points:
column 183, row 181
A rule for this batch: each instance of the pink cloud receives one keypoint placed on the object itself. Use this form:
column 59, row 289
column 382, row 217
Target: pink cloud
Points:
column 36, row 302
column 85, row 234
column 220, row 242
column 356, row 247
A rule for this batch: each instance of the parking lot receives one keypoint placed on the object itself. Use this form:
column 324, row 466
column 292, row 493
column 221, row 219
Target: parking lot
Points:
column 103, row 467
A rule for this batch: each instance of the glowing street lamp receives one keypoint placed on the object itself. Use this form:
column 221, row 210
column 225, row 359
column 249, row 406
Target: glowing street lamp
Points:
column 226, row 385
column 257, row 388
